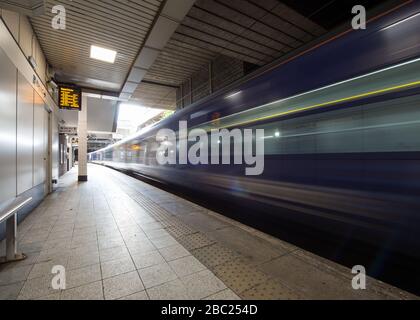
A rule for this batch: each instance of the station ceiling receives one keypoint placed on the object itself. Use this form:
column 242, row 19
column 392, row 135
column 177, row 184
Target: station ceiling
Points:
column 254, row 31
column 159, row 46
column 118, row 25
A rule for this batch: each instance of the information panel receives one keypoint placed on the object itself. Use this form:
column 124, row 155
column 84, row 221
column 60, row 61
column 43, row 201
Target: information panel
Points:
column 70, row 97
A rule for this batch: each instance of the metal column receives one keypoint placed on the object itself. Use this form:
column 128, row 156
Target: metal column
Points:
column 82, row 141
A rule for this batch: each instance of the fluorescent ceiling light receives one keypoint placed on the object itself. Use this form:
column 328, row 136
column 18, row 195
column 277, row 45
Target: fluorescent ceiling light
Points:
column 102, row 54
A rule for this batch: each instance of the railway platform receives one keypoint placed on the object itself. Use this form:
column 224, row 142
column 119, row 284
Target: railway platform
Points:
column 121, row 238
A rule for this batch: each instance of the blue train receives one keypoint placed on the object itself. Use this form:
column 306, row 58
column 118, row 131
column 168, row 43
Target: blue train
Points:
column 342, row 138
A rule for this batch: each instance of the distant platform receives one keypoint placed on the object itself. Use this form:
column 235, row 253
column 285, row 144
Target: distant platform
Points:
column 120, row 238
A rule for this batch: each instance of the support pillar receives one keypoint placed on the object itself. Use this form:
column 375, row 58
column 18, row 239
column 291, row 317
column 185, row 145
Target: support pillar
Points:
column 11, row 241
column 82, row 141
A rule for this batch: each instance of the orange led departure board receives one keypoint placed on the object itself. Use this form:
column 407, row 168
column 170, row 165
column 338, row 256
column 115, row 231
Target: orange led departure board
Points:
column 70, row 97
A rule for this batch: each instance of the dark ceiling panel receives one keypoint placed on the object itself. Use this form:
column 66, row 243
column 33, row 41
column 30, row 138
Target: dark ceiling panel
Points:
column 329, row 13
column 253, row 31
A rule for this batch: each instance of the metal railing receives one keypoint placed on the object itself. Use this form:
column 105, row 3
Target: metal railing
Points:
column 8, row 214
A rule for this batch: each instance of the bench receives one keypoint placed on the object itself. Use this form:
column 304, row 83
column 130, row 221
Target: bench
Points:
column 8, row 214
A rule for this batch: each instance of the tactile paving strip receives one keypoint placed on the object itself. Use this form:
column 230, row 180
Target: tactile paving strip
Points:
column 245, row 280
column 195, row 241
column 214, row 255
column 173, row 225
column 270, row 290
column 180, row 230
column 153, row 209
column 169, row 222
column 166, row 218
column 239, row 276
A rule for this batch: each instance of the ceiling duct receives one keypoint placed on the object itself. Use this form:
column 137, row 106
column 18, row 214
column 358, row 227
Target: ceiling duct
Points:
column 165, row 25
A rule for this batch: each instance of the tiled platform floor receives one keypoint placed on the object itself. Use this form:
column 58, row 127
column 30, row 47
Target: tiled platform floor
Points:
column 120, row 238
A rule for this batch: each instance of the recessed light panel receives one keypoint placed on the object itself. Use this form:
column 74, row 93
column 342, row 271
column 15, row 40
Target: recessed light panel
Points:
column 102, row 54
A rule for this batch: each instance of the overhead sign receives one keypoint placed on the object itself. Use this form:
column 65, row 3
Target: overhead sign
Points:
column 68, row 130
column 70, row 97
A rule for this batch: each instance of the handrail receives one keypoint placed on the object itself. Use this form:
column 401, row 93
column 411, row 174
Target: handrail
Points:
column 13, row 207
column 9, row 215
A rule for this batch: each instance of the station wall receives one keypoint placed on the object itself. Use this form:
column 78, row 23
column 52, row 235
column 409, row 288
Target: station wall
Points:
column 24, row 126
column 7, row 128
column 29, row 129
column 21, row 30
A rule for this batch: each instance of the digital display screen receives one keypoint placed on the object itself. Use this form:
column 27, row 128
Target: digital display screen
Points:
column 70, row 97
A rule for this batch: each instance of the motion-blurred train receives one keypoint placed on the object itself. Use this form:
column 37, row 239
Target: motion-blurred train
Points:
column 342, row 138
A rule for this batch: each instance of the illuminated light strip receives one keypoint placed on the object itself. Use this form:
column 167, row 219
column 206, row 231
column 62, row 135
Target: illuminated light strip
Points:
column 233, row 94
column 319, row 105
column 401, row 21
column 378, row 126
column 318, row 89
column 325, row 104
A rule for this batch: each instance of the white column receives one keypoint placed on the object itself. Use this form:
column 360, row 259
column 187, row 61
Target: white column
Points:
column 82, row 141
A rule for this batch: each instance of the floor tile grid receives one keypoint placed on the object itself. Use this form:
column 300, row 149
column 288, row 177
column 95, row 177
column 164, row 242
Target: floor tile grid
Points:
column 107, row 200
column 46, row 219
column 150, row 239
column 73, row 204
column 144, row 201
column 150, row 209
column 30, row 224
column 252, row 270
column 253, row 290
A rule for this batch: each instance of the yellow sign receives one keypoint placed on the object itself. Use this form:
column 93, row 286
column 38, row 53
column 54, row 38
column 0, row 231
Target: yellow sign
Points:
column 70, row 97
column 135, row 147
